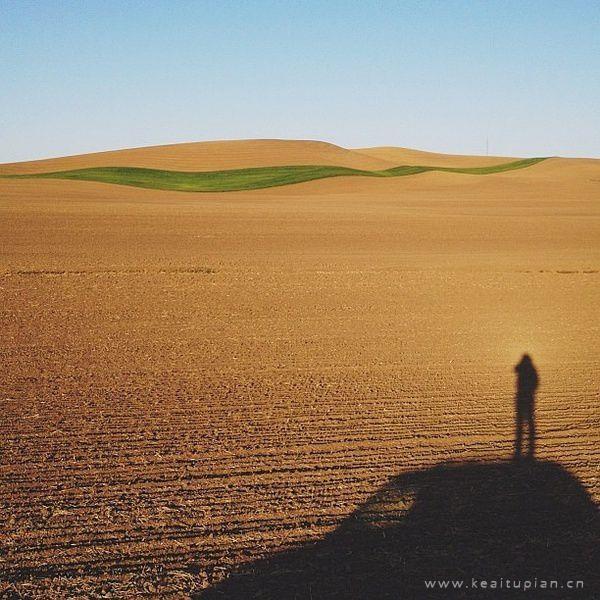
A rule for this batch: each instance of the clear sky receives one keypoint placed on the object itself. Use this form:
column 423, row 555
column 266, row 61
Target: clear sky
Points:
column 79, row 76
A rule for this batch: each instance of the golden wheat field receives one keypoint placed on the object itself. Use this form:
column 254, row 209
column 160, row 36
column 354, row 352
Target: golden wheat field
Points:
column 195, row 383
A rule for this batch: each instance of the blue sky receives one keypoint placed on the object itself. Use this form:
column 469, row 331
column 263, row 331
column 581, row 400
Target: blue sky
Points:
column 94, row 75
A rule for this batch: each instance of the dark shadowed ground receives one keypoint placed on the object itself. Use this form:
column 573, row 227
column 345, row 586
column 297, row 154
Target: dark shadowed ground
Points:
column 522, row 520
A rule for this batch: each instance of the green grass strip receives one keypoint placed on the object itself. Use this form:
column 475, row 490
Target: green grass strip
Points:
column 250, row 179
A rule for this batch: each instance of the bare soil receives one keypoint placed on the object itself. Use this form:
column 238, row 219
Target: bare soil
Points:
column 193, row 383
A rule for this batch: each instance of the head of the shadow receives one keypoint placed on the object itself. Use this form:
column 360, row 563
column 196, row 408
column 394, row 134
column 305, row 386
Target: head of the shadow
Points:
column 490, row 521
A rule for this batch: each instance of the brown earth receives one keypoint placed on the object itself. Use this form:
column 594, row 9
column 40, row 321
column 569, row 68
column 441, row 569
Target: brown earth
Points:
column 211, row 156
column 409, row 156
column 191, row 382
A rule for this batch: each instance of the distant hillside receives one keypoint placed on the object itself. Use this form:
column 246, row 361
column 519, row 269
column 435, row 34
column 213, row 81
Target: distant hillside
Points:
column 211, row 156
column 249, row 164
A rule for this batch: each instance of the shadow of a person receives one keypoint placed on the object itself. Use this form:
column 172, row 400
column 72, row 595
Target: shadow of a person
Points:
column 527, row 383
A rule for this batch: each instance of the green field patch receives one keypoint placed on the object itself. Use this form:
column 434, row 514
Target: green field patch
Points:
column 252, row 178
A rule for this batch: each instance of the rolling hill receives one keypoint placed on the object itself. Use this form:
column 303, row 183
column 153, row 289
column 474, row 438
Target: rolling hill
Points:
column 250, row 164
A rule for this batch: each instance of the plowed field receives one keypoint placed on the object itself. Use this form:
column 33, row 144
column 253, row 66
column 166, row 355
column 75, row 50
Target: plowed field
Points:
column 193, row 382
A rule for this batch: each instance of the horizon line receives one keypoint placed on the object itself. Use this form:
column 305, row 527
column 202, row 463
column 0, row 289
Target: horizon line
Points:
column 283, row 139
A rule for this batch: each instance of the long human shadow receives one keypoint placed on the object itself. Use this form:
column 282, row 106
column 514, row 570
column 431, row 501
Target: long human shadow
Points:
column 499, row 522
column 527, row 384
